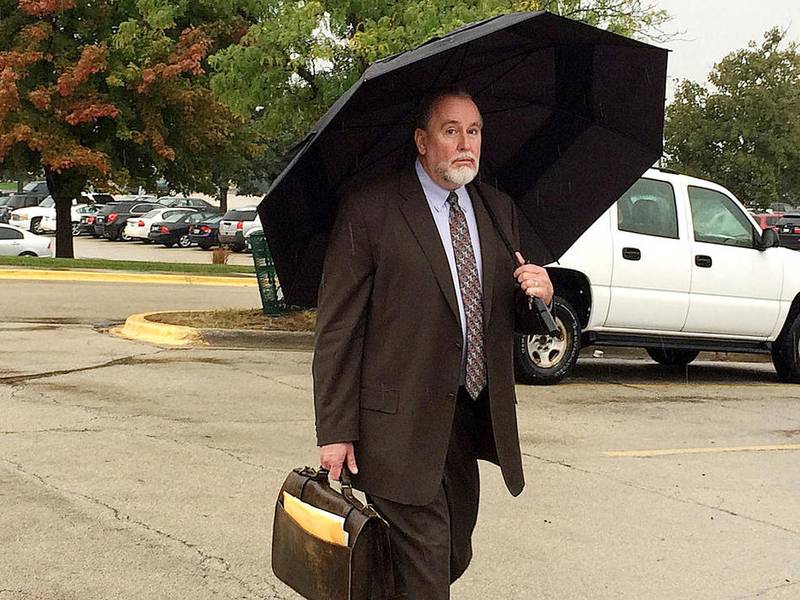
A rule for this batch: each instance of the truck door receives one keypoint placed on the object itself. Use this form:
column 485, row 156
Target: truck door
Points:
column 651, row 265
column 735, row 287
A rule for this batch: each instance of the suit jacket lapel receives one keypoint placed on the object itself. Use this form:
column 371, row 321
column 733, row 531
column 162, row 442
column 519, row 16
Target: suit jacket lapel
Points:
column 417, row 213
column 488, row 245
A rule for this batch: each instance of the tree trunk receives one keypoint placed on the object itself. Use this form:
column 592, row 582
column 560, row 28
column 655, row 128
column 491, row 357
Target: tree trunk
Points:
column 64, row 247
column 20, row 185
column 222, row 196
column 64, row 187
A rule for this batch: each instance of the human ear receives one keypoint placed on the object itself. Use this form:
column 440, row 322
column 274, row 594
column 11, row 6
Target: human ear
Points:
column 419, row 140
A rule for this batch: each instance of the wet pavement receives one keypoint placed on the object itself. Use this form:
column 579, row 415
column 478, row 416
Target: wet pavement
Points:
column 132, row 471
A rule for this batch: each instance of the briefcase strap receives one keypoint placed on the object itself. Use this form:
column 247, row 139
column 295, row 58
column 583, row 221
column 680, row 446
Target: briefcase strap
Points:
column 389, row 582
column 384, row 545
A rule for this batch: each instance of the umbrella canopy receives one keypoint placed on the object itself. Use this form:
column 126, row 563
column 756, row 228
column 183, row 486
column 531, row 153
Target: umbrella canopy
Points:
column 573, row 115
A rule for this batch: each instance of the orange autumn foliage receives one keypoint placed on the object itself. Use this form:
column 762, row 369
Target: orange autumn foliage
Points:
column 40, row 8
column 40, row 98
column 20, row 134
column 32, row 35
column 193, row 46
column 9, row 94
column 19, row 60
column 76, row 156
column 92, row 60
column 89, row 111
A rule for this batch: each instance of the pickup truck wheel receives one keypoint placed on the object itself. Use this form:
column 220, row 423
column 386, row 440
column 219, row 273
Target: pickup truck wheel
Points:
column 36, row 226
column 545, row 359
column 786, row 353
column 76, row 229
column 672, row 357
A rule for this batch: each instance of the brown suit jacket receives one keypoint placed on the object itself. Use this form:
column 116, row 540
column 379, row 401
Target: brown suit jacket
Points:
column 388, row 341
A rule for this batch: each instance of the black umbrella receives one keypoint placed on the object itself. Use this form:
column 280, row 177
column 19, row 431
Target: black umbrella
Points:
column 573, row 115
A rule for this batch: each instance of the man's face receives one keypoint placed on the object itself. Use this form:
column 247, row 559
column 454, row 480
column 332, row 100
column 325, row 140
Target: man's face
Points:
column 450, row 148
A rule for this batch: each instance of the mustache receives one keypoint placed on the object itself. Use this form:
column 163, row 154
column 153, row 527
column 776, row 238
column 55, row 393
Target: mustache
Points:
column 464, row 156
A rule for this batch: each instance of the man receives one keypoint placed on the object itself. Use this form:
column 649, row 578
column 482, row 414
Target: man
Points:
column 413, row 365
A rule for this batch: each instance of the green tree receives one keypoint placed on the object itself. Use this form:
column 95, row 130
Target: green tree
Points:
column 114, row 93
column 743, row 131
column 292, row 65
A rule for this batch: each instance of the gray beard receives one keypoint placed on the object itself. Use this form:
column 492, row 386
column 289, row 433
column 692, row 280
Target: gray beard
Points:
column 460, row 176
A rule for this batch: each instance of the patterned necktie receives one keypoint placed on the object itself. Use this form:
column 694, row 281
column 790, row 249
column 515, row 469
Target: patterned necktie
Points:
column 471, row 295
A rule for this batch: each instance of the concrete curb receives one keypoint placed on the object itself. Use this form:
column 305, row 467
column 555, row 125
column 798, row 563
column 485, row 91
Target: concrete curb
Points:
column 128, row 277
column 138, row 327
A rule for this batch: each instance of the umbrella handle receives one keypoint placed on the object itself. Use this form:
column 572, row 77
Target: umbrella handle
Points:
column 534, row 302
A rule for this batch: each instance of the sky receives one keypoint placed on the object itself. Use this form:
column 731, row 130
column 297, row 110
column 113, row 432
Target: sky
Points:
column 710, row 29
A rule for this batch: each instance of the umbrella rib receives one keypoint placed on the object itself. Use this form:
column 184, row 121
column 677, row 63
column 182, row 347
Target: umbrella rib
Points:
column 522, row 58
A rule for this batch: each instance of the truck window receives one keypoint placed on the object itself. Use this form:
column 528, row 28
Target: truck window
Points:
column 717, row 220
column 648, row 207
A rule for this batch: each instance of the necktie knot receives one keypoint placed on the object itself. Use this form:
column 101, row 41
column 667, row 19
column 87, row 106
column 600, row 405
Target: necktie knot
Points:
column 452, row 199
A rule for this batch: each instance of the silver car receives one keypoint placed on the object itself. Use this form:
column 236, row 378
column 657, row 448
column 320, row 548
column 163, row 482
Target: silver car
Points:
column 18, row 242
column 235, row 225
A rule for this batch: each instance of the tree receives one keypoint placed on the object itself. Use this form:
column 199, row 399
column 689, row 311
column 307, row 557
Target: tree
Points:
column 114, row 92
column 301, row 56
column 743, row 132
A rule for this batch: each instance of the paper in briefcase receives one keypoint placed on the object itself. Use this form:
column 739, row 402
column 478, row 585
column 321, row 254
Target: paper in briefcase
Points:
column 327, row 545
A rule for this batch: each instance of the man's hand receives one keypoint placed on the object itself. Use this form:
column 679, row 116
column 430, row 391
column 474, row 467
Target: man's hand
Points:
column 333, row 456
column 534, row 280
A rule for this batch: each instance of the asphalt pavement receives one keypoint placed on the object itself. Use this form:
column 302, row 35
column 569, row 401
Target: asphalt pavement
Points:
column 132, row 471
column 85, row 246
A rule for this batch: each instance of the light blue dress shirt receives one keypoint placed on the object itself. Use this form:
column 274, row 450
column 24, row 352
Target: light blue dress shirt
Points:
column 440, row 209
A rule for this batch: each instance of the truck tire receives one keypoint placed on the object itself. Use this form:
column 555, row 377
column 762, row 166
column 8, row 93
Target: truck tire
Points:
column 672, row 357
column 786, row 353
column 36, row 226
column 544, row 359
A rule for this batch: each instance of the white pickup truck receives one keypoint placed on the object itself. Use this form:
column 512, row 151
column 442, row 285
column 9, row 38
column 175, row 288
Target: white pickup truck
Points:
column 676, row 266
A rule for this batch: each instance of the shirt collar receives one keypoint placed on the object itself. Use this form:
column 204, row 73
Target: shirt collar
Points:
column 436, row 194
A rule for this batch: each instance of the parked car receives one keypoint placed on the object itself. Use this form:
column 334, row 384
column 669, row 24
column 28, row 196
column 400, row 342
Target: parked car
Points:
column 32, row 194
column 789, row 230
column 768, row 220
column 33, row 218
column 48, row 224
column 139, row 229
column 174, row 229
column 15, row 241
column 206, row 233
column 111, row 220
column 675, row 266
column 235, row 224
column 178, row 202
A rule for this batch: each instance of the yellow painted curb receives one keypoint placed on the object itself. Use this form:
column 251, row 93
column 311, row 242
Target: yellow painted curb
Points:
column 104, row 277
column 137, row 327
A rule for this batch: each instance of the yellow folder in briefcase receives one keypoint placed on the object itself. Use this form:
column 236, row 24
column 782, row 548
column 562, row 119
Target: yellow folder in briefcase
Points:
column 321, row 523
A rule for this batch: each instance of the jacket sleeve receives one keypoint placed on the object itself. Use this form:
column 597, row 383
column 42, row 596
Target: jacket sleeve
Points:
column 526, row 319
column 344, row 296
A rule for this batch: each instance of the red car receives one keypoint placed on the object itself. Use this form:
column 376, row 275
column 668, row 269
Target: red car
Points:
column 768, row 220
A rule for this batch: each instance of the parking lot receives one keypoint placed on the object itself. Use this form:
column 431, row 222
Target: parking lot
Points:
column 130, row 471
column 88, row 247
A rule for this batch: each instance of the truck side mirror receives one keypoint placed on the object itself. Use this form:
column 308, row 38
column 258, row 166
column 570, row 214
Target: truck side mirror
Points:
column 769, row 239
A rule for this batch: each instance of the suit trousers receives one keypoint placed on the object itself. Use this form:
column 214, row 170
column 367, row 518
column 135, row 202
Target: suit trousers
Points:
column 432, row 544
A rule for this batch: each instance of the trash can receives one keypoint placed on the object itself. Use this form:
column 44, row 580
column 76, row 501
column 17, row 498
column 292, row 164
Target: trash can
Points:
column 271, row 294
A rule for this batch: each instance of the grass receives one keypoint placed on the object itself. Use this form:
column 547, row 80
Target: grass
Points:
column 122, row 265
column 303, row 320
column 8, row 186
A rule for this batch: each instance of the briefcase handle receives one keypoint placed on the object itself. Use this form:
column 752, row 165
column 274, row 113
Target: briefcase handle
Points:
column 347, row 490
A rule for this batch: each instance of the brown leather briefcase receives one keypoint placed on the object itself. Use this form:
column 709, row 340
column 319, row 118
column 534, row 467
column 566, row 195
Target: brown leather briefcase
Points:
column 322, row 570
